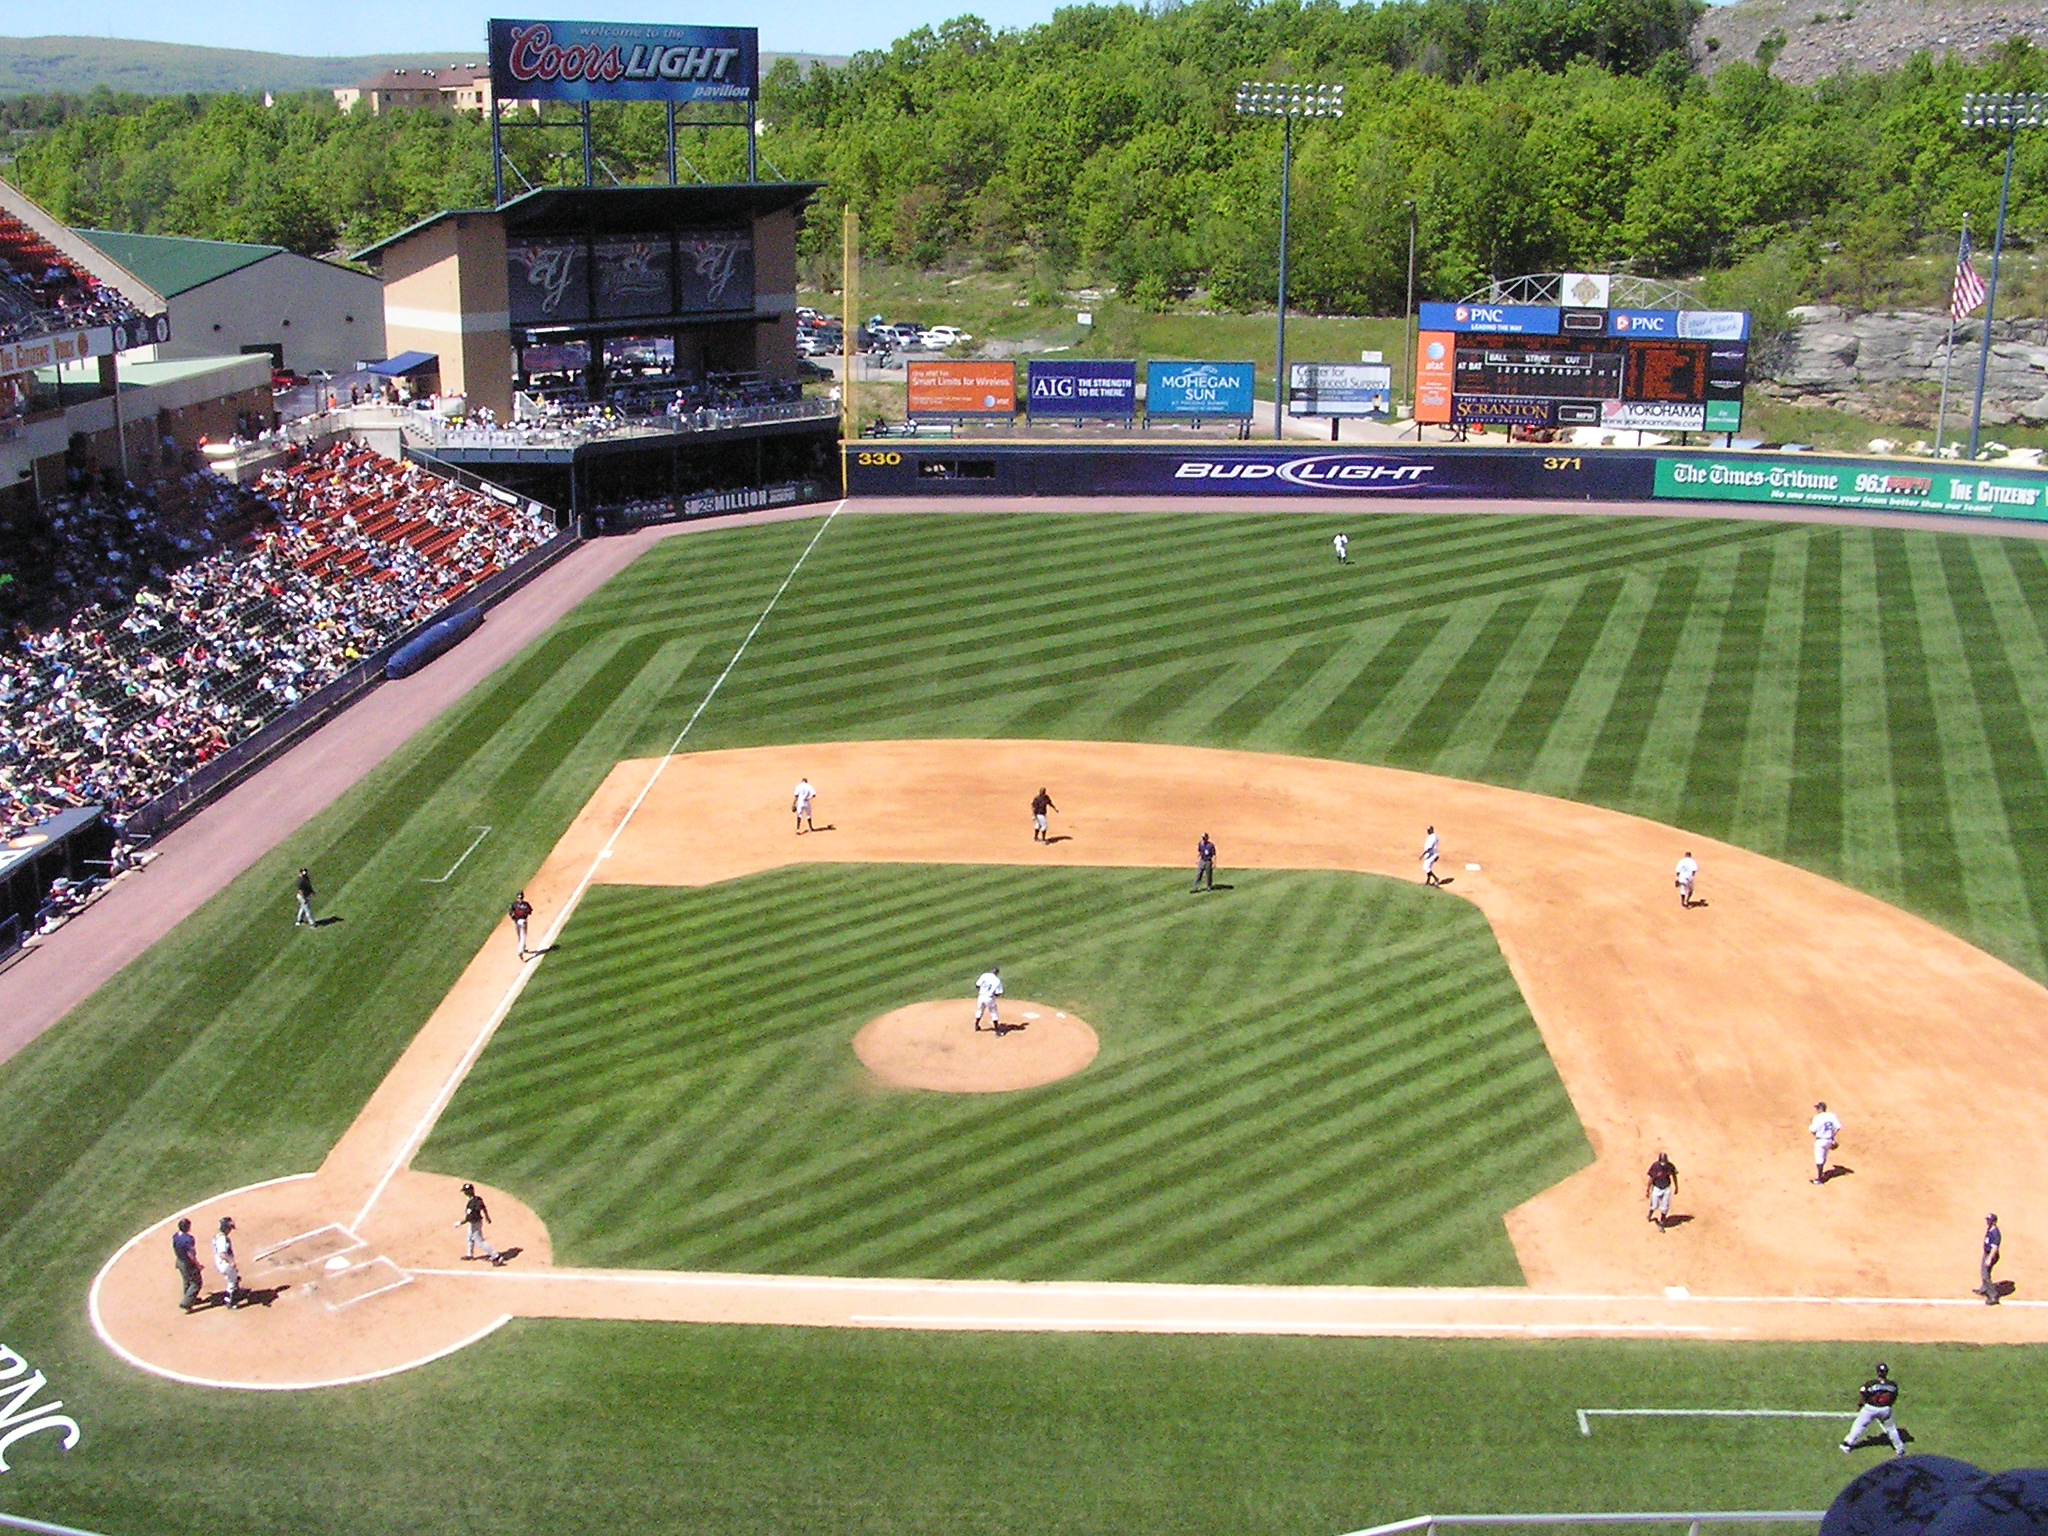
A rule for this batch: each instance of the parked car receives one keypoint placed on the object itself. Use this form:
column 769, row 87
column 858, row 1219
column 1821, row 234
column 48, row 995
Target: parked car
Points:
column 940, row 337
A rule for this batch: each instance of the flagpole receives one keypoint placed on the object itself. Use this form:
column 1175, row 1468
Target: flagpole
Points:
column 1949, row 358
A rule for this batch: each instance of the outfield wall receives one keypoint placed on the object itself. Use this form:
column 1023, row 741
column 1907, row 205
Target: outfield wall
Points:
column 1301, row 471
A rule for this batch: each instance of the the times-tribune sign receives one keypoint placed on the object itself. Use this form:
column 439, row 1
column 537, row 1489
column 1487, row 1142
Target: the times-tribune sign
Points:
column 1079, row 388
column 1220, row 391
column 622, row 61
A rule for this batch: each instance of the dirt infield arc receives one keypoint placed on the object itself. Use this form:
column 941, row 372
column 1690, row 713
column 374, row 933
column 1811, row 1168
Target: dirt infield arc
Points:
column 1708, row 1032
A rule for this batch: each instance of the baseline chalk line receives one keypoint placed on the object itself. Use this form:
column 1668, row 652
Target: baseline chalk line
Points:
column 1586, row 1415
column 481, row 834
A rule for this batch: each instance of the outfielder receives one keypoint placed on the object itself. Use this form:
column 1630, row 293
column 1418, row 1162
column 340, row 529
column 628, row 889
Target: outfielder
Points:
column 800, row 802
column 1688, row 871
column 474, row 1214
column 1826, row 1130
column 1876, row 1397
column 1342, row 544
column 303, row 889
column 1429, row 856
column 987, row 988
column 1661, row 1185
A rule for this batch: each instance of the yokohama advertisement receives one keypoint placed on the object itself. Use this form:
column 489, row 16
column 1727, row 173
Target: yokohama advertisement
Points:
column 937, row 389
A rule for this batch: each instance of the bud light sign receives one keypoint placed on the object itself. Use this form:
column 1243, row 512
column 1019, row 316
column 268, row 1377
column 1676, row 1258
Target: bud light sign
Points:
column 622, row 61
column 1082, row 389
column 1219, row 391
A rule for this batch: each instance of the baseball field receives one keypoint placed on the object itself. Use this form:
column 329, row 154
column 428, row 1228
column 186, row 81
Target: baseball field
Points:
column 1321, row 1076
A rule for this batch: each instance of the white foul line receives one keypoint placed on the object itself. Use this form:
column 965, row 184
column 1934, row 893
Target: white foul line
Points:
column 481, row 834
column 1585, row 1414
column 426, row 1123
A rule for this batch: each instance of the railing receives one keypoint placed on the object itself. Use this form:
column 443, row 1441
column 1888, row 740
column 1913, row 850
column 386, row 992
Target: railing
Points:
column 1692, row 1520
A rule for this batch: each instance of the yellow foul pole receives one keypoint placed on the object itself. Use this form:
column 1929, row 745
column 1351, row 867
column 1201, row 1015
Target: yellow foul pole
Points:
column 849, row 277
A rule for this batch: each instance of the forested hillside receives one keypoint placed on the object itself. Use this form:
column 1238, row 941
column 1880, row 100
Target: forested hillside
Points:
column 1529, row 134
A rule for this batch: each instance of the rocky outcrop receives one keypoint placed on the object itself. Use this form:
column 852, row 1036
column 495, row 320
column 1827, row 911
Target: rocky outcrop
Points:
column 1889, row 365
column 1865, row 36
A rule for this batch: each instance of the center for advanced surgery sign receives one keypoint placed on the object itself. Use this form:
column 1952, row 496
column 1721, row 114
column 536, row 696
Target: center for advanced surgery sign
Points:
column 622, row 61
column 1974, row 491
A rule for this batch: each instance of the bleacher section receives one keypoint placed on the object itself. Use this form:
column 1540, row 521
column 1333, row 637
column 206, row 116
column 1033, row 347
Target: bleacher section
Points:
column 42, row 290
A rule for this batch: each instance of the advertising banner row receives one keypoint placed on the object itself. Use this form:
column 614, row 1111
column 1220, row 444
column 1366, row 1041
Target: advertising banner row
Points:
column 1420, row 473
column 76, row 346
column 1079, row 388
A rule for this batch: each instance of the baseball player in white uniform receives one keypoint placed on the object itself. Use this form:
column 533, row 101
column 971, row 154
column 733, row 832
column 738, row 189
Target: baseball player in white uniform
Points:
column 1342, row 544
column 800, row 802
column 1826, row 1129
column 1429, row 856
column 224, row 1261
column 988, row 986
column 1688, row 871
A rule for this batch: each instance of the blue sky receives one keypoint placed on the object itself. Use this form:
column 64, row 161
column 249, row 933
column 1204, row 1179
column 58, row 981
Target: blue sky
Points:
column 440, row 26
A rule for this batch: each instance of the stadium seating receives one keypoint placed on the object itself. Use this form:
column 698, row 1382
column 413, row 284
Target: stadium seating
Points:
column 42, row 291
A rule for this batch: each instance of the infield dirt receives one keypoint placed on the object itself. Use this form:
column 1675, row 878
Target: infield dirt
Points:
column 1708, row 1032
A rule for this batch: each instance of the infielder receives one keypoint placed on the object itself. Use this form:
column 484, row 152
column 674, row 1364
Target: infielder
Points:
column 1429, row 856
column 1040, row 804
column 800, row 802
column 474, row 1214
column 224, row 1261
column 1988, row 1289
column 1205, row 865
column 1661, row 1186
column 1826, row 1130
column 1876, row 1397
column 1688, row 871
column 1342, row 544
column 520, row 910
column 988, row 986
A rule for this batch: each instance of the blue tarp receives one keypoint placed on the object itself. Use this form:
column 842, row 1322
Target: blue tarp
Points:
column 423, row 648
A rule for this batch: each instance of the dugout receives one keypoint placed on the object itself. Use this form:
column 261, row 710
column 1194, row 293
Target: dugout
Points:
column 72, row 845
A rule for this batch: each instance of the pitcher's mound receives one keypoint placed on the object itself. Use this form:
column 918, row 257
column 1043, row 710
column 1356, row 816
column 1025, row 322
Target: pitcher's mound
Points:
column 935, row 1046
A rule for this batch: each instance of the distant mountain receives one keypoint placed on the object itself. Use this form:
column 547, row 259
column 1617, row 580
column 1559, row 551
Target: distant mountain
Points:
column 168, row 69
column 1811, row 39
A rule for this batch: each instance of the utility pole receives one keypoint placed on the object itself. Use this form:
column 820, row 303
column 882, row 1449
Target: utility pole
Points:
column 1408, row 315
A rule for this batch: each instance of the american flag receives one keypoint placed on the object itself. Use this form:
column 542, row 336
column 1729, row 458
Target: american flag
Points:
column 1969, row 289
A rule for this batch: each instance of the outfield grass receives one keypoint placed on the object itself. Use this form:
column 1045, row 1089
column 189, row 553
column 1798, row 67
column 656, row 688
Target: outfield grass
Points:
column 1311, row 1079
column 1868, row 704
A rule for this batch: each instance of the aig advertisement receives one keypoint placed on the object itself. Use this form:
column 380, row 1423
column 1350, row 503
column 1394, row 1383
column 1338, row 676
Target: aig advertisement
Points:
column 622, row 61
column 1218, row 391
column 1078, row 388
column 945, row 388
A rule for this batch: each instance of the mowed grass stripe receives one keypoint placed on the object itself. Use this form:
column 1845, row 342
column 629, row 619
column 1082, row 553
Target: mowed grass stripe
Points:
column 1204, row 1081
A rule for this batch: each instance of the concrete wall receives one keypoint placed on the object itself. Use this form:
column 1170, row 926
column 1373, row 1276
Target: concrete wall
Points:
column 444, row 292
column 324, row 316
column 775, row 293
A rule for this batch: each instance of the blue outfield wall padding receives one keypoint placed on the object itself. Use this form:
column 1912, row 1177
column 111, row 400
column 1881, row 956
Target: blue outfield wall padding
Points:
column 1702, row 477
column 423, row 648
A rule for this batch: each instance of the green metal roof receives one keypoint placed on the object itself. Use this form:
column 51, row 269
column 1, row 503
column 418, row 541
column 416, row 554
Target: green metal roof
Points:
column 172, row 264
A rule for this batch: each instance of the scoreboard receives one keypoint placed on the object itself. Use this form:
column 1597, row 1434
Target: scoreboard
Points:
column 1517, row 365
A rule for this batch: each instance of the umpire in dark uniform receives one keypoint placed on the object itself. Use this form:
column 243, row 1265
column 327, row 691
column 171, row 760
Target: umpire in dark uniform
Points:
column 1205, row 865
column 185, row 1254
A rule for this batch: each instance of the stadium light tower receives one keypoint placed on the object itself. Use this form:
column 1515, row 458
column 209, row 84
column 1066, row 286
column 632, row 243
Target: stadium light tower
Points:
column 2004, row 112
column 1286, row 102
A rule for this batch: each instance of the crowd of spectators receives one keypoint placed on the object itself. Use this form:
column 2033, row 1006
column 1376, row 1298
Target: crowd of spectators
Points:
column 41, row 291
column 143, row 686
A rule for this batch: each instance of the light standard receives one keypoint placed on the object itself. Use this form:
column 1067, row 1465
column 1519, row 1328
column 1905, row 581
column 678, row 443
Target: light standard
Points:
column 1286, row 102
column 2008, row 112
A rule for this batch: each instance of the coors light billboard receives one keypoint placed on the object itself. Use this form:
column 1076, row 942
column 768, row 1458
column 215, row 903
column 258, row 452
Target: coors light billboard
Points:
column 622, row 61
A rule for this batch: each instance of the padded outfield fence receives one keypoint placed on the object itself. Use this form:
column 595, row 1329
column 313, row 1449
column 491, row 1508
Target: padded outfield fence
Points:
column 1700, row 478
column 1692, row 1520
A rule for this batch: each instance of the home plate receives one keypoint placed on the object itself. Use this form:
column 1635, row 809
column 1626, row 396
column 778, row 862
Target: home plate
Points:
column 339, row 1261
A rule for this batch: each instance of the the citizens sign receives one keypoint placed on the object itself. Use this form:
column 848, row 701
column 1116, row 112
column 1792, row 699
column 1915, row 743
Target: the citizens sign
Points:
column 1217, row 391
column 622, row 61
column 1631, row 369
column 1078, row 388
